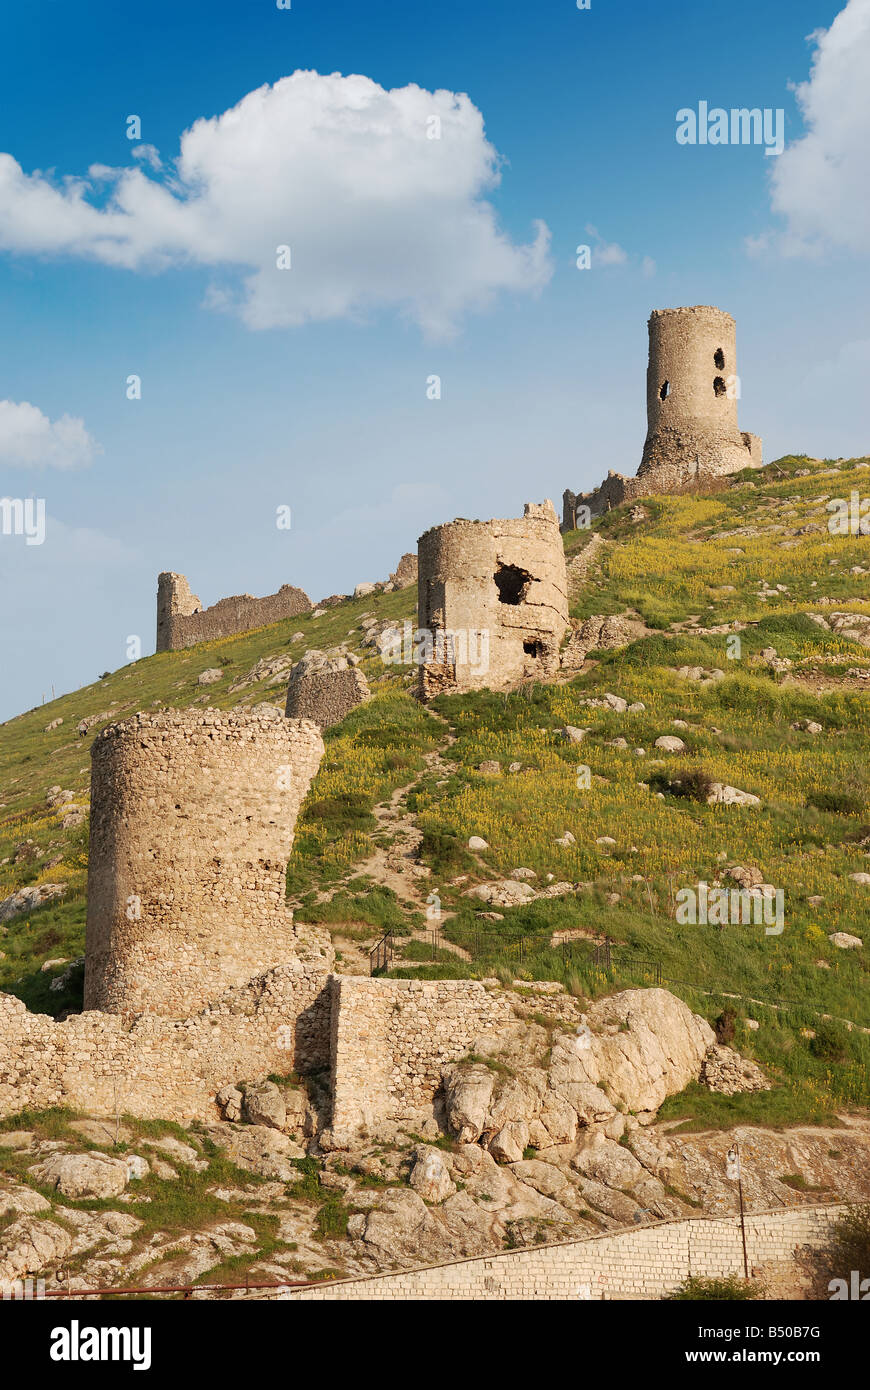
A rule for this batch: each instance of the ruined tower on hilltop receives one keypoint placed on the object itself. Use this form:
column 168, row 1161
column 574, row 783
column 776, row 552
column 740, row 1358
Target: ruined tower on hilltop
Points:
column 191, row 829
column 691, row 395
column 692, row 390
column 493, row 595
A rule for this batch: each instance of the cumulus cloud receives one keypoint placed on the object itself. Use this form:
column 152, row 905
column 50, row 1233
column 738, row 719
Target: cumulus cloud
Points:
column 28, row 439
column 379, row 195
column 820, row 183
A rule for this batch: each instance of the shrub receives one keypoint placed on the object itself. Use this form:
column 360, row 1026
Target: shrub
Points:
column 716, row 1290
column 847, row 1249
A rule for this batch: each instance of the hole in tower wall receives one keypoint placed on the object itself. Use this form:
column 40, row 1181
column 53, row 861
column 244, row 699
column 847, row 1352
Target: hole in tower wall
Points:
column 718, row 386
column 512, row 583
column 719, row 359
column 533, row 648
column 665, row 391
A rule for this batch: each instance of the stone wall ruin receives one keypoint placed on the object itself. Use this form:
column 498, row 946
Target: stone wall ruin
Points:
column 182, row 621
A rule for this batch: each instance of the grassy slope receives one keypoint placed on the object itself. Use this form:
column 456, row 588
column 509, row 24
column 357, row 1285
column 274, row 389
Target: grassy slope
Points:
column 671, row 568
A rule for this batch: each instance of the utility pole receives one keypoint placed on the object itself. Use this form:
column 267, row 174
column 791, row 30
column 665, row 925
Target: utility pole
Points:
column 732, row 1170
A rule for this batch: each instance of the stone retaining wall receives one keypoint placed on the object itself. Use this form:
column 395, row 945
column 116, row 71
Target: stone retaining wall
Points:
column 637, row 1263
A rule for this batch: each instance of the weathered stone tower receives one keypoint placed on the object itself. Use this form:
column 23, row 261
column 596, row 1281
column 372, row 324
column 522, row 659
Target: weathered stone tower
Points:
column 493, row 596
column 691, row 395
column 191, row 828
column 174, row 600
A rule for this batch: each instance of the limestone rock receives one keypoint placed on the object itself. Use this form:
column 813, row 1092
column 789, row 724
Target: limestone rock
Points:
column 506, row 892
column 430, row 1176
column 211, row 676
column 229, row 1102
column 29, row 899
column 260, row 1149
column 31, row 1246
column 405, row 573
column 669, row 743
column 82, row 1175
column 846, row 941
column 726, row 1072
column 263, row 1104
column 467, row 1093
column 723, row 795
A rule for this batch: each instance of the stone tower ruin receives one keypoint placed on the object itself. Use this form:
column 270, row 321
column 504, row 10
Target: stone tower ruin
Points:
column 691, row 395
column 493, row 596
column 191, row 828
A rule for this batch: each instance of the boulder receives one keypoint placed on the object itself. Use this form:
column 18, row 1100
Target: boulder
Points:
column 82, row 1175
column 263, row 1104
column 29, row 899
column 846, row 941
column 669, row 743
column 468, row 1091
column 430, row 1176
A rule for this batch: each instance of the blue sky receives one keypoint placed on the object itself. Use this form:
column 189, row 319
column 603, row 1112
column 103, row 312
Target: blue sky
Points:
column 313, row 395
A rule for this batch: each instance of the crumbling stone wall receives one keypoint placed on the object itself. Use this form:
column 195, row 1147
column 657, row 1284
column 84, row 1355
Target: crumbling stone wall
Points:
column 159, row 1068
column 494, row 596
column 692, row 390
column 324, row 689
column 182, row 621
column 191, row 827
column 391, row 1040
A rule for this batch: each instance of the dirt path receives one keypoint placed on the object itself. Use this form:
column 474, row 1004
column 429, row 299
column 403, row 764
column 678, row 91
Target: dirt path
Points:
column 394, row 863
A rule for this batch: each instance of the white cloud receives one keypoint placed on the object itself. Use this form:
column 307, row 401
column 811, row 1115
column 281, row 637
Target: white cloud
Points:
column 376, row 213
column 28, row 439
column 820, row 183
column 609, row 253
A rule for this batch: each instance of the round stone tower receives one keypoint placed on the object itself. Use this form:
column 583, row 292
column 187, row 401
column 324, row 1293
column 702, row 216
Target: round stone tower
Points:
column 492, row 596
column 692, row 389
column 192, row 818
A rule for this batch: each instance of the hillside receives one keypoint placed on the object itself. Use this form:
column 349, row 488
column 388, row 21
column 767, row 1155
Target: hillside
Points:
column 590, row 837
column 400, row 792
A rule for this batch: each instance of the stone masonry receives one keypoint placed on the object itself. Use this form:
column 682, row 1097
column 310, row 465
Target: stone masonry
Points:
column 392, row 1038
column 324, row 689
column 494, row 597
column 639, row 1263
column 182, row 621
column 191, row 828
column 692, row 432
column 161, row 1068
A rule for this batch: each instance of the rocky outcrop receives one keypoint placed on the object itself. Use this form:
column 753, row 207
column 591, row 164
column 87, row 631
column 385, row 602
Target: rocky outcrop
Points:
column 628, row 1054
